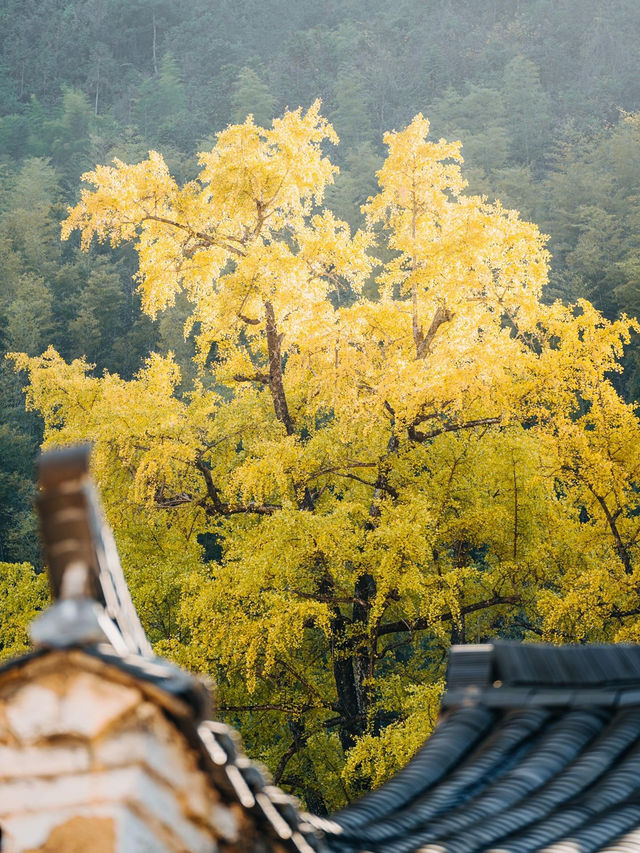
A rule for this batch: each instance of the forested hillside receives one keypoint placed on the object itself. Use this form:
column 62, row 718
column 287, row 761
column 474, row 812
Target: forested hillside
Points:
column 541, row 93
column 545, row 97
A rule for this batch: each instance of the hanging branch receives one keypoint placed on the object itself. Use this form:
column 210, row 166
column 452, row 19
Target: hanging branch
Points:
column 212, row 504
column 424, row 623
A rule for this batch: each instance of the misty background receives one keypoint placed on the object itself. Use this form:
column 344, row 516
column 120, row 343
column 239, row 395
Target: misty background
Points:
column 542, row 93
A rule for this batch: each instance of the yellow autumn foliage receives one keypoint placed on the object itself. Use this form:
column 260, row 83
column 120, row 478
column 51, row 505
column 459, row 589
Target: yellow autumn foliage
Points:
column 350, row 483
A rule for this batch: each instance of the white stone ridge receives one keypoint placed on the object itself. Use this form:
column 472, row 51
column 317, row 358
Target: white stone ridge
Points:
column 23, row 761
column 132, row 786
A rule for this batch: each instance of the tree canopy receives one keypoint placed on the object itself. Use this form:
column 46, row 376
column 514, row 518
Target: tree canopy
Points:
column 350, row 476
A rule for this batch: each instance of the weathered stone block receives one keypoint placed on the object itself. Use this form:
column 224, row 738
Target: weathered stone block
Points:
column 58, row 759
column 83, row 756
column 95, row 829
column 76, row 704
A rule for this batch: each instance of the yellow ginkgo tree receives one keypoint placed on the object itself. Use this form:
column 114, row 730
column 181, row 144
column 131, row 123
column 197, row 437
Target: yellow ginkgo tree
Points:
column 351, row 482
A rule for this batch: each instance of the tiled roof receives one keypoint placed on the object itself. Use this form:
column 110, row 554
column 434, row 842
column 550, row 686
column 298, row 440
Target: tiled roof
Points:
column 529, row 755
column 537, row 749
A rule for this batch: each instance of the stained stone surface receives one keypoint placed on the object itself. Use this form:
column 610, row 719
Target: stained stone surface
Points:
column 83, row 756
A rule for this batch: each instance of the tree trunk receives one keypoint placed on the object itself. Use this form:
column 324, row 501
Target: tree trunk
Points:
column 276, row 385
column 352, row 663
column 347, row 673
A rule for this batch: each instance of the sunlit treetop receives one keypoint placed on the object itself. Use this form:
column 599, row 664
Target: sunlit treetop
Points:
column 243, row 233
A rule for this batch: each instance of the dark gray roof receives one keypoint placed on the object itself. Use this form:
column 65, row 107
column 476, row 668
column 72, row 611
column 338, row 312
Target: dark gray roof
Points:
column 538, row 748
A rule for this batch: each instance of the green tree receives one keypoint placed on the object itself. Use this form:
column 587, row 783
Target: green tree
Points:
column 594, row 205
column 22, row 594
column 69, row 136
column 528, row 109
column 99, row 319
column 355, row 183
column 161, row 109
column 251, row 96
column 351, row 115
column 479, row 117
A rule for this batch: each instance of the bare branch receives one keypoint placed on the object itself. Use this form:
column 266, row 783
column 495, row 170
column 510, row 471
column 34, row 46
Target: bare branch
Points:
column 175, row 500
column 338, row 468
column 339, row 473
column 206, row 239
column 257, row 377
column 265, row 707
column 239, row 509
column 327, row 599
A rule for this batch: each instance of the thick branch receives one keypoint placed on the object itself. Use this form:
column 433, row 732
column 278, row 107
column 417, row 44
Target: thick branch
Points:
column 239, row 509
column 327, row 599
column 214, row 506
column 611, row 521
column 296, row 746
column 233, row 709
column 174, row 500
column 374, row 485
column 257, row 377
column 423, row 624
column 423, row 342
column 623, row 614
column 416, row 435
column 521, row 622
column 338, row 469
column 207, row 239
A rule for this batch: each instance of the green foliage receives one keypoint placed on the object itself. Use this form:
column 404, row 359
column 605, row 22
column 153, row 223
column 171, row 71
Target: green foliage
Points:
column 479, row 117
column 376, row 757
column 351, row 115
column 22, row 594
column 70, row 134
column 251, row 96
column 160, row 108
column 528, row 110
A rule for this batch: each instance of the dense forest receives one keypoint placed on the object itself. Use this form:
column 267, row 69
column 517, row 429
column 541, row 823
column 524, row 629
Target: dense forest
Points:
column 544, row 96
